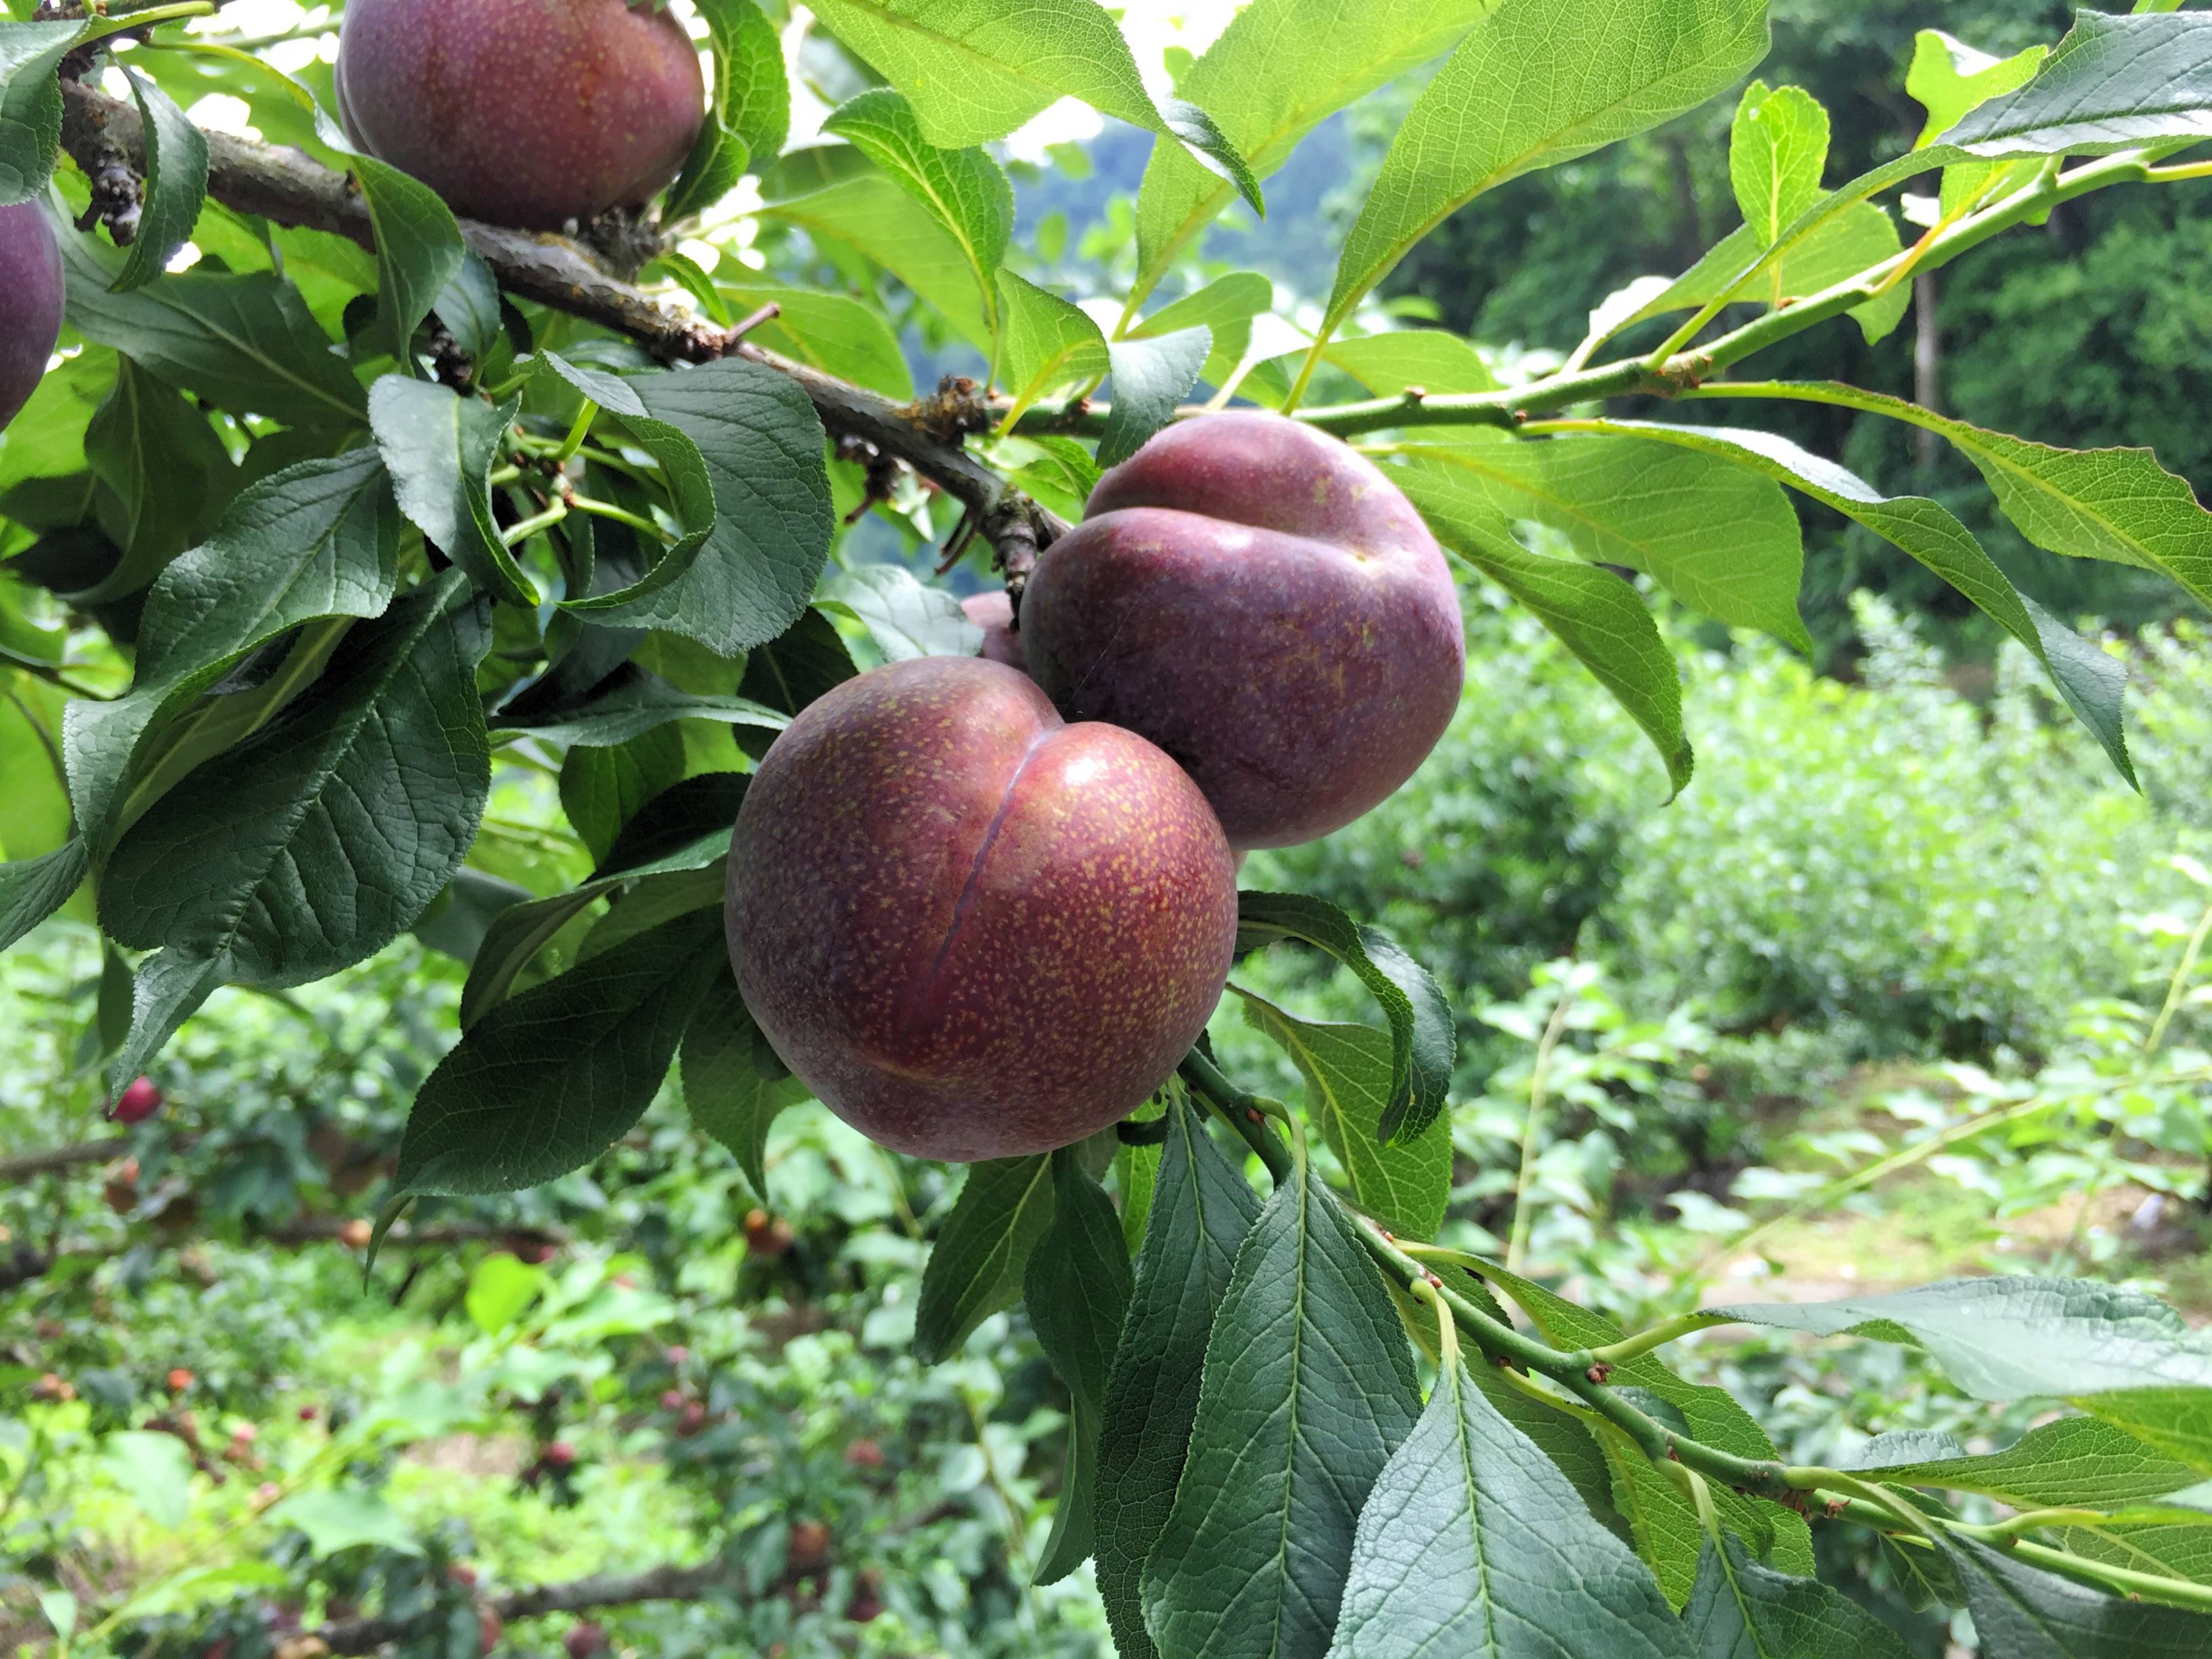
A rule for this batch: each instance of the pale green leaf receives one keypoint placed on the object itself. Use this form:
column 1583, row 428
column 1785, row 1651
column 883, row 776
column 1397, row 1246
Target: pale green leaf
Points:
column 1778, row 149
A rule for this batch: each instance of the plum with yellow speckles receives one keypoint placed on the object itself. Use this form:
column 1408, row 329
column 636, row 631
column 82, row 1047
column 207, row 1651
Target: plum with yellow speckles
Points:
column 993, row 612
column 523, row 112
column 973, row 930
column 1266, row 606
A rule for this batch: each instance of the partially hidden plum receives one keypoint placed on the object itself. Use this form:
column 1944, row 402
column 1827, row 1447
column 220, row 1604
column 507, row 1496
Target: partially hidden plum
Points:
column 31, row 293
column 993, row 612
column 523, row 112
column 1266, row 606
column 972, row 930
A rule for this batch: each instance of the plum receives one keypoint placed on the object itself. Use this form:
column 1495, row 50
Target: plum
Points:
column 31, row 292
column 974, row 931
column 993, row 612
column 523, row 112
column 1264, row 605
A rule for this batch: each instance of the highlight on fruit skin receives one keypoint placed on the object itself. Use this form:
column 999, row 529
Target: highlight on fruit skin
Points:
column 1262, row 602
column 972, row 930
column 530, row 114
column 32, row 291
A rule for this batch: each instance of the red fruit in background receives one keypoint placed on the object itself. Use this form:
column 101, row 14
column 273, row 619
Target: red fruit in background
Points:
column 356, row 1234
column 993, row 612
column 51, row 1390
column 267, row 1493
column 1266, row 607
column 523, row 112
column 31, row 289
column 694, row 1418
column 972, row 931
column 306, row 1414
column 864, row 1455
column 672, row 1400
column 489, row 1629
column 810, row 1545
column 767, row 1235
column 180, row 1380
column 560, row 1456
column 865, row 1607
column 679, row 1354
column 137, row 1103
column 462, row 1574
column 583, row 1640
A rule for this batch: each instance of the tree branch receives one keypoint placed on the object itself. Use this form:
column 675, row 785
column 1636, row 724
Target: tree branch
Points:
column 289, row 187
column 24, row 1165
column 605, row 1590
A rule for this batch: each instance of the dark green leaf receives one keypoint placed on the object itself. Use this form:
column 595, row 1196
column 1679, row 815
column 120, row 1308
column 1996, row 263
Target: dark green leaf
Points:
column 2022, row 1612
column 1201, row 1209
column 603, row 787
column 1741, row 1610
column 976, row 1267
column 1151, row 377
column 545, row 1084
column 419, row 252
column 176, row 184
column 31, row 890
column 30, row 103
column 167, row 471
column 763, row 446
column 1308, row 1390
column 1472, row 1542
column 797, row 665
column 1077, row 1288
column 440, row 448
column 2114, row 82
column 733, row 1081
column 468, row 306
column 245, row 342
column 1424, row 1042
column 637, row 702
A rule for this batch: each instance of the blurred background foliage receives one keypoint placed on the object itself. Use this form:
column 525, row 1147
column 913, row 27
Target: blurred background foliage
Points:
column 1905, row 985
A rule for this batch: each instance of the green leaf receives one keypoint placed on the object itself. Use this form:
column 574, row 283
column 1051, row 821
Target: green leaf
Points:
column 168, row 472
column 176, row 184
column 603, row 787
column 964, row 189
column 30, row 103
column 439, row 448
column 31, row 890
column 2177, row 1421
column 1386, row 364
column 1267, row 85
column 832, row 332
column 1741, row 1610
column 1077, row 1289
column 1536, row 85
column 1346, row 1068
column 1949, row 78
column 1664, row 1527
column 976, row 69
column 1211, row 149
column 800, row 663
column 335, row 1521
column 1596, row 615
column 2113, row 83
column 762, row 445
column 1777, row 150
column 155, row 1469
column 317, row 540
column 733, row 1081
column 2088, row 679
column 1859, row 238
column 2018, row 1338
column 684, row 474
column 1719, row 540
column 468, row 306
column 1050, row 344
column 873, row 216
column 518, row 933
column 247, row 343
column 905, row 617
column 751, row 114
column 1058, row 471
column 1423, row 1041
column 1508, row 1561
column 1308, row 1390
column 1225, row 306
column 544, row 1084
column 419, row 251
column 1201, row 1209
column 46, row 440
column 2076, row 1461
column 637, row 702
column 976, row 1267
column 1151, row 377
column 2022, row 1612
column 500, row 1287
column 319, row 840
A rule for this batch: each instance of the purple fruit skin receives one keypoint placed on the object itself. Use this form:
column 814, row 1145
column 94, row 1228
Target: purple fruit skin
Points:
column 973, row 930
column 993, row 612
column 1263, row 603
column 522, row 112
column 31, row 292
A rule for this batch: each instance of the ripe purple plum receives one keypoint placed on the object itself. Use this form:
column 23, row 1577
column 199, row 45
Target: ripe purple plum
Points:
column 1266, row 607
column 31, row 292
column 973, row 930
column 993, row 612
column 523, row 112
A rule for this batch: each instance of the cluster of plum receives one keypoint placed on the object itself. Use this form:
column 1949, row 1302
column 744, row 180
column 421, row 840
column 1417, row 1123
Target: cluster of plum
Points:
column 982, row 911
